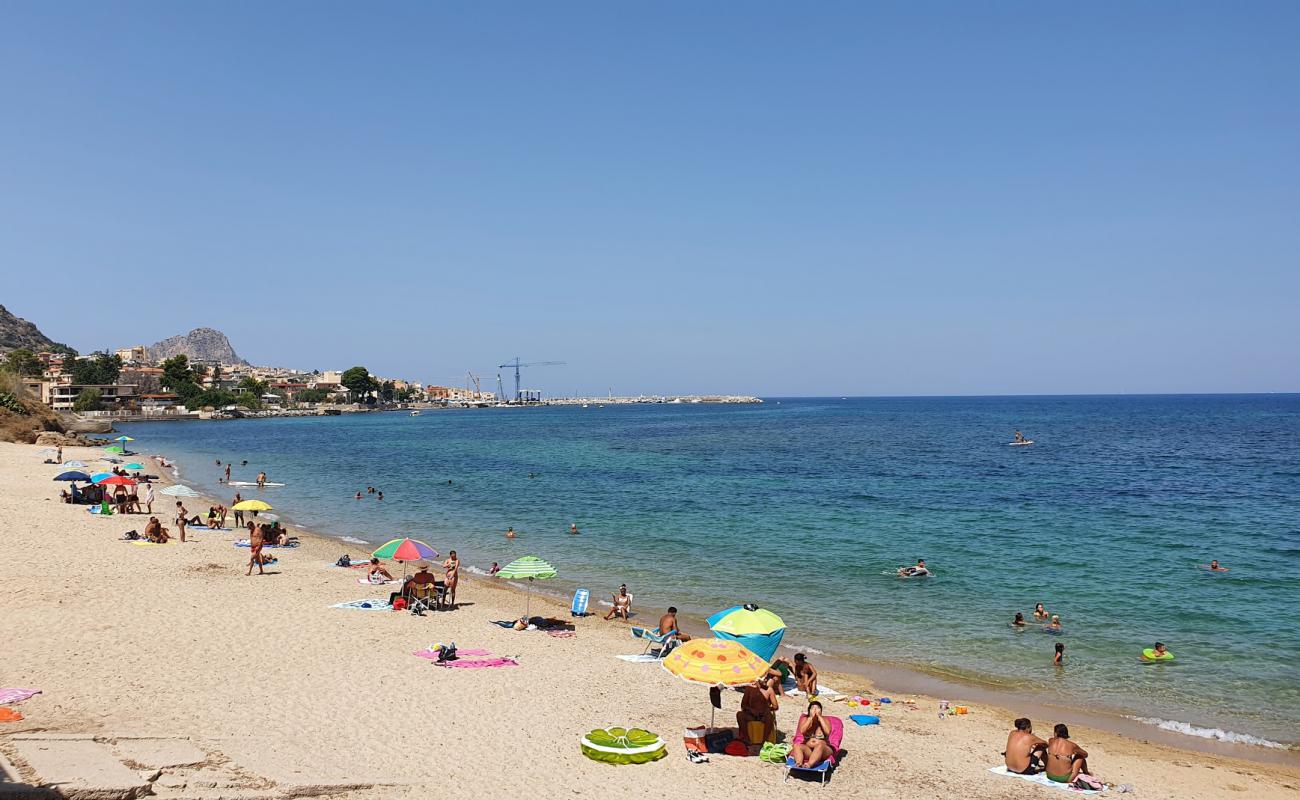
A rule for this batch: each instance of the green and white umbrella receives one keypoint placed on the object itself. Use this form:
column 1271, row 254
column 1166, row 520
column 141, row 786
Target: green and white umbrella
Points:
column 530, row 567
column 179, row 490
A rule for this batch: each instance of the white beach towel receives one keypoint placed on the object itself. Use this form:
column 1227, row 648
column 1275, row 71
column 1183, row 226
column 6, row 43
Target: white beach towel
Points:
column 370, row 604
column 639, row 658
column 789, row 687
column 1040, row 779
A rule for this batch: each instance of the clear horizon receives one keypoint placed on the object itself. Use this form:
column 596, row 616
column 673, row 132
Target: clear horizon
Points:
column 934, row 200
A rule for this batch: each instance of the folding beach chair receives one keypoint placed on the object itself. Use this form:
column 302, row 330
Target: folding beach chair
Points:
column 579, row 607
column 823, row 769
column 666, row 641
column 424, row 597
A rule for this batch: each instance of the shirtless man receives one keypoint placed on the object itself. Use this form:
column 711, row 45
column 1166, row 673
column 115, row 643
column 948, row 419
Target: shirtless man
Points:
column 1214, row 566
column 255, row 548
column 261, row 480
column 1065, row 759
column 622, row 604
column 1024, row 753
column 914, row 572
column 452, row 568
column 668, row 622
column 757, row 704
column 239, row 515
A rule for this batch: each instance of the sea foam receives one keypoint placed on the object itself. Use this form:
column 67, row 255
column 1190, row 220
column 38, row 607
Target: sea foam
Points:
column 1210, row 733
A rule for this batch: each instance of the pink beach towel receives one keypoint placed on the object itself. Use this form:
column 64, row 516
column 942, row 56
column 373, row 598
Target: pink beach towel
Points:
column 479, row 663
column 16, row 695
column 432, row 656
column 562, row 634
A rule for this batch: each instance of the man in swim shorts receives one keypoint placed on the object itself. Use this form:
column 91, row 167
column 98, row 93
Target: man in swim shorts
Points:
column 668, row 623
column 1065, row 759
column 1024, row 753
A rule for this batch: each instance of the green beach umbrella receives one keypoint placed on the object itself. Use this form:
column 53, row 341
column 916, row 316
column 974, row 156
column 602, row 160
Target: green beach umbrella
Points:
column 114, row 449
column 530, row 567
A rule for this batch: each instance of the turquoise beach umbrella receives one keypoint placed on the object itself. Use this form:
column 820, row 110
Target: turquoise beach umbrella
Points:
column 756, row 629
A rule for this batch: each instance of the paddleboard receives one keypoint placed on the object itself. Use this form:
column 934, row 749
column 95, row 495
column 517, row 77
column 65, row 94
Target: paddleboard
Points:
column 252, row 483
column 1013, row 444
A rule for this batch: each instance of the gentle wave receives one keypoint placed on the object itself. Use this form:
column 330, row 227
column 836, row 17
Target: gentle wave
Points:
column 1210, row 733
column 351, row 539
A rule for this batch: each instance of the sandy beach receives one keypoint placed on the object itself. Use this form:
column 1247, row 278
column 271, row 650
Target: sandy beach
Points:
column 197, row 681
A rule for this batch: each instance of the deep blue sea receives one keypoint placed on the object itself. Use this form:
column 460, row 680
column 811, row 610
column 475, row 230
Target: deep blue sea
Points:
column 800, row 505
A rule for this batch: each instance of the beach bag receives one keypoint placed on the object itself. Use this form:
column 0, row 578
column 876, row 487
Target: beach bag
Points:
column 717, row 741
column 1088, row 783
column 131, row 535
column 693, row 740
column 736, row 748
column 344, row 561
column 399, row 604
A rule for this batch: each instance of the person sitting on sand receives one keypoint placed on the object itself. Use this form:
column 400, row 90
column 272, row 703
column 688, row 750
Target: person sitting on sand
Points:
column 221, row 516
column 914, row 572
column 1065, row 759
column 1214, row 567
column 1019, row 621
column 815, row 747
column 1024, row 753
column 1040, row 613
column 622, row 604
column 757, row 704
column 155, row 532
column 805, row 674
column 212, row 517
column 668, row 624
column 376, row 573
column 1054, row 626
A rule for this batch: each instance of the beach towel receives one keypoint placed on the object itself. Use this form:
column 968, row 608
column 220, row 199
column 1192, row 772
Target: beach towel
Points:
column 246, row 543
column 9, row 715
column 640, row 658
column 370, row 604
column 204, row 528
column 562, row 634
column 789, row 686
column 368, row 582
column 8, row 696
column 1041, row 780
column 477, row 663
column 142, row 543
column 432, row 655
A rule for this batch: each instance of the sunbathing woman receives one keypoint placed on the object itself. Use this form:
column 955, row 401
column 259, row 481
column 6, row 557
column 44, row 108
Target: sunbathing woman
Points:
column 816, row 731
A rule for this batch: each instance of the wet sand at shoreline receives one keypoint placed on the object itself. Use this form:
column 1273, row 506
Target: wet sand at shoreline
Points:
column 174, row 642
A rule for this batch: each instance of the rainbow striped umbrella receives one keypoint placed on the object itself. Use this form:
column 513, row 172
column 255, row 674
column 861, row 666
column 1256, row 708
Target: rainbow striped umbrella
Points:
column 406, row 550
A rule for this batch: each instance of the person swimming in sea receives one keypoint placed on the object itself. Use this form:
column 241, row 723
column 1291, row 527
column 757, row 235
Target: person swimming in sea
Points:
column 1054, row 626
column 573, row 529
column 1214, row 567
column 917, row 571
column 1040, row 613
column 1059, row 658
column 1019, row 622
column 510, row 533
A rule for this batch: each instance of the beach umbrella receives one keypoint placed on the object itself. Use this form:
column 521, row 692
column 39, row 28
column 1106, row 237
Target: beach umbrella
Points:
column 117, row 480
column 134, row 465
column 114, row 449
column 404, row 550
column 72, row 476
column 100, row 476
column 715, row 662
column 179, row 490
column 252, row 505
column 73, row 465
column 124, row 439
column 757, row 629
column 530, row 567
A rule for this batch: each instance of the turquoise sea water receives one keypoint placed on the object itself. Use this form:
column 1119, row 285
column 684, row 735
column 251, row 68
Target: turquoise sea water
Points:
column 801, row 504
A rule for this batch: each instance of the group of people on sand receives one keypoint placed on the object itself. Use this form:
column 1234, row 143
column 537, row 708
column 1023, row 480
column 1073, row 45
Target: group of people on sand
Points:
column 261, row 535
column 1059, row 758
column 760, row 700
column 422, row 582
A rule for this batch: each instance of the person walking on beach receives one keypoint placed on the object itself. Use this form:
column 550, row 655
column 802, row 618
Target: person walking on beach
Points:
column 1024, row 751
column 181, row 519
column 239, row 515
column 148, row 498
column 255, row 548
column 452, row 568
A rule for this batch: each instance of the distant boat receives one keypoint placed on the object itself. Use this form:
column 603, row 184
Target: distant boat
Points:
column 584, row 405
column 415, row 413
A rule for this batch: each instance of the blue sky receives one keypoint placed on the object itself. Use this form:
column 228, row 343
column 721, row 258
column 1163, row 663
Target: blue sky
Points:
column 835, row 198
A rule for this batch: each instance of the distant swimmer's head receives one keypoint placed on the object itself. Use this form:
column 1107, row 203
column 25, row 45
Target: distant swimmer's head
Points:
column 1056, row 619
column 920, row 562
column 1061, row 731
column 1023, row 724
column 1214, row 564
column 1038, row 606
column 1160, row 646
column 1020, row 617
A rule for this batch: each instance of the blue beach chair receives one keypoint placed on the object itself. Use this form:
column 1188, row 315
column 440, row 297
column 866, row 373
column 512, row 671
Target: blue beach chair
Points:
column 666, row 641
column 580, row 598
